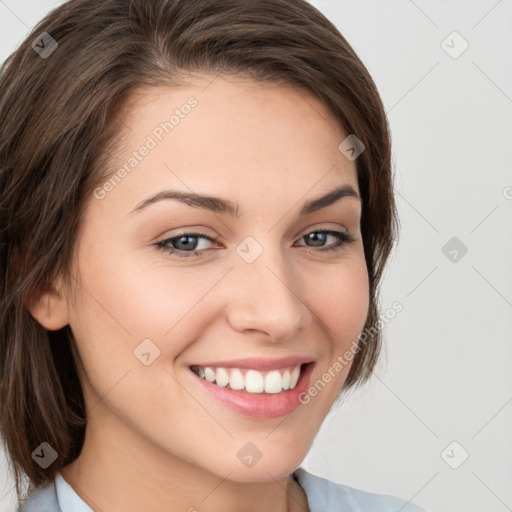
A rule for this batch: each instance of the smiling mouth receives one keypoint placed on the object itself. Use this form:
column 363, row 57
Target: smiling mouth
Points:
column 250, row 380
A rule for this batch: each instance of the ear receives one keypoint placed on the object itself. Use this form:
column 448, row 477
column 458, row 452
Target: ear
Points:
column 50, row 309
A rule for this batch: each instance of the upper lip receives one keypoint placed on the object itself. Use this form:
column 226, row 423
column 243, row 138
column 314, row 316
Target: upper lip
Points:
column 258, row 363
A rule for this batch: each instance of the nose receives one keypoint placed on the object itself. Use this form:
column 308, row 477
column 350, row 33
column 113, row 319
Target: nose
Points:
column 267, row 297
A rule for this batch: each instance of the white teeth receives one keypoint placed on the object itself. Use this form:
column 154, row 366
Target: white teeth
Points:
column 221, row 377
column 209, row 374
column 294, row 376
column 286, row 380
column 273, row 382
column 252, row 381
column 236, row 379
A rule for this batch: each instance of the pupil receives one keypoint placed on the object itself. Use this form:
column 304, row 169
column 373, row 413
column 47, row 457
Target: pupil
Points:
column 186, row 245
column 318, row 238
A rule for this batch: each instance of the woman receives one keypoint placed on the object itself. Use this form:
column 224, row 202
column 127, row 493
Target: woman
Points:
column 198, row 208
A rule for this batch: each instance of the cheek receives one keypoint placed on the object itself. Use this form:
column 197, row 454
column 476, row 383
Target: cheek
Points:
column 342, row 301
column 341, row 306
column 126, row 296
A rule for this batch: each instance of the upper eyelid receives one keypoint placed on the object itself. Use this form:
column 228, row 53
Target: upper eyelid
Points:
column 333, row 226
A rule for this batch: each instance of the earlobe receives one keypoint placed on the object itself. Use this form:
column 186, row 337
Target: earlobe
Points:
column 50, row 309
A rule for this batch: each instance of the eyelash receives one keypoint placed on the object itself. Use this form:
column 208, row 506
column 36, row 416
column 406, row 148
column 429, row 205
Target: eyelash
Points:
column 343, row 237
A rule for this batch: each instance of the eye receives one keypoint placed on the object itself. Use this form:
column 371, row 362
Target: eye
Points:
column 342, row 238
column 186, row 244
column 181, row 245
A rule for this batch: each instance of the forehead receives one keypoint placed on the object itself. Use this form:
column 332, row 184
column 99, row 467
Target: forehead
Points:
column 230, row 135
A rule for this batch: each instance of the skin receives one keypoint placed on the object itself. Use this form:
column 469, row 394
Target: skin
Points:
column 154, row 440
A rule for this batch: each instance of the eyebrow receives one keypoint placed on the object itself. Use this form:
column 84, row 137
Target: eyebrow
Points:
column 225, row 206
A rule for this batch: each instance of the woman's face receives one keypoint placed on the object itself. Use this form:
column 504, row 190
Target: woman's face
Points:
column 266, row 283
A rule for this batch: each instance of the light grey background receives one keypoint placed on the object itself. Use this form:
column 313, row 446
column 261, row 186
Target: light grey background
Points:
column 447, row 377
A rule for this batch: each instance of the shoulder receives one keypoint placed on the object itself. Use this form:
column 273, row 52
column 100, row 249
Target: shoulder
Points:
column 42, row 499
column 327, row 496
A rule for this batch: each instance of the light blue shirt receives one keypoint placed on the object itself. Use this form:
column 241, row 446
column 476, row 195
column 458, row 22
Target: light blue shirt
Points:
column 68, row 498
column 323, row 496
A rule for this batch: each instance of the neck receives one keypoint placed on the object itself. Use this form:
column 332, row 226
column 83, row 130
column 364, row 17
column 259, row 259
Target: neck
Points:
column 137, row 476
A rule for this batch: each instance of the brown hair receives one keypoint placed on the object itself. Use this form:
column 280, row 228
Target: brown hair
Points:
column 58, row 119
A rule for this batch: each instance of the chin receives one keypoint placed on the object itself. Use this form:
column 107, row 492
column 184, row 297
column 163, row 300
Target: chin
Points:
column 262, row 471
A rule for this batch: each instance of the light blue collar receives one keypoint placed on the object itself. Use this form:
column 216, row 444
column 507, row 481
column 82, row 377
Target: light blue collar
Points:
column 67, row 497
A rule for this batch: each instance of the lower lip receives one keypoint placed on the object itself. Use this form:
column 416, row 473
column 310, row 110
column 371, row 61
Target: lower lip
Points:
column 260, row 405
